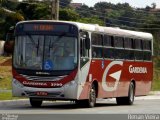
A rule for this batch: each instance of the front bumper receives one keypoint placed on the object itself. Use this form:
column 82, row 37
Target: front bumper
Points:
column 67, row 91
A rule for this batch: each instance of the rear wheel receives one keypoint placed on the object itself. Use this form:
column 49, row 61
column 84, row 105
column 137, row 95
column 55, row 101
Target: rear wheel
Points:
column 129, row 99
column 35, row 102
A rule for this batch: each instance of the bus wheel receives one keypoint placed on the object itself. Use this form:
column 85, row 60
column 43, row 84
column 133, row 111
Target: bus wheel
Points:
column 92, row 97
column 35, row 102
column 129, row 99
column 88, row 102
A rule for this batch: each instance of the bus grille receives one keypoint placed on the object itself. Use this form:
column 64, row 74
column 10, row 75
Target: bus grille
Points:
column 39, row 78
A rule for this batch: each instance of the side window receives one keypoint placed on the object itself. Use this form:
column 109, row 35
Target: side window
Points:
column 128, row 43
column 83, row 51
column 138, row 55
column 147, row 50
column 108, row 41
column 109, row 53
column 97, row 50
column 147, row 55
column 96, row 39
column 138, row 44
column 146, row 44
column 129, row 52
column 118, row 41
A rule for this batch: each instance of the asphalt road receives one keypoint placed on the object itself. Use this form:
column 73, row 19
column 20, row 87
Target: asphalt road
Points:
column 142, row 105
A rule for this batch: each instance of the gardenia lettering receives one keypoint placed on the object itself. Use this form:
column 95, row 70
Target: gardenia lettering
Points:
column 137, row 69
column 34, row 83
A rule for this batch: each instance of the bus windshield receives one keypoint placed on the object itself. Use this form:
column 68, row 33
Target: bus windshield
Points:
column 45, row 52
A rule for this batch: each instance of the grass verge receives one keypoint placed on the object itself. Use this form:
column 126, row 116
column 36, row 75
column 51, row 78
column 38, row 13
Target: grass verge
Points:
column 7, row 96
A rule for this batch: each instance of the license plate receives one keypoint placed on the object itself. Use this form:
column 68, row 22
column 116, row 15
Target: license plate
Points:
column 41, row 93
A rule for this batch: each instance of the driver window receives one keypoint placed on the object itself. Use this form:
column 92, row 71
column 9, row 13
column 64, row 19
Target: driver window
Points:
column 83, row 51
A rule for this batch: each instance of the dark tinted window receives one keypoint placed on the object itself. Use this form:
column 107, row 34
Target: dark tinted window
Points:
column 129, row 54
column 128, row 43
column 108, row 40
column 138, row 44
column 96, row 39
column 146, row 45
column 147, row 55
column 118, row 42
column 138, row 55
column 97, row 52
column 109, row 53
column 119, row 53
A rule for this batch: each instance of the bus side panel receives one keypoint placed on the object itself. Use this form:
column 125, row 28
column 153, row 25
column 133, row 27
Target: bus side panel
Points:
column 141, row 73
column 95, row 74
column 123, row 72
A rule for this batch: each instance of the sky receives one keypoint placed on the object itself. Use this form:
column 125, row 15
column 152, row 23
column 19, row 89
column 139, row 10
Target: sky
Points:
column 133, row 3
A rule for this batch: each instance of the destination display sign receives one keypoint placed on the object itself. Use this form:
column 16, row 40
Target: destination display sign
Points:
column 46, row 27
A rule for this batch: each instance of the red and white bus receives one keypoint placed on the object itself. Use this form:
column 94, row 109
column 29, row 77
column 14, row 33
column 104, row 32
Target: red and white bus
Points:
column 59, row 60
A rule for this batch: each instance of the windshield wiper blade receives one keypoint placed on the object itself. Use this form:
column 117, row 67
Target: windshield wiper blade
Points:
column 36, row 45
column 57, row 40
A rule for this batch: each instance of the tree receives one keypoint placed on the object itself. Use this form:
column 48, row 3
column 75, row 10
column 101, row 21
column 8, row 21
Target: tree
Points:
column 68, row 14
column 41, row 11
column 91, row 20
column 153, row 5
column 65, row 3
column 27, row 10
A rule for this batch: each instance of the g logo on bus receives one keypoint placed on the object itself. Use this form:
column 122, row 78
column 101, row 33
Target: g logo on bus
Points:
column 115, row 75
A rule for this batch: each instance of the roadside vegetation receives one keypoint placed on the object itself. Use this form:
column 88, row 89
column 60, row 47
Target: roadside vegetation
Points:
column 156, row 75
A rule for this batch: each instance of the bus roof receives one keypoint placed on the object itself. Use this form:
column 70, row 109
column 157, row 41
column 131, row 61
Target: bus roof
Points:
column 108, row 30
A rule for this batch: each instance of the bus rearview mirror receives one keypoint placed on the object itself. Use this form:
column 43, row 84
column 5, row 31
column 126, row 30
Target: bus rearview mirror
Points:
column 87, row 41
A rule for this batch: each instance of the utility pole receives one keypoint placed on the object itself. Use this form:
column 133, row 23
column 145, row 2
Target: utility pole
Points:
column 55, row 9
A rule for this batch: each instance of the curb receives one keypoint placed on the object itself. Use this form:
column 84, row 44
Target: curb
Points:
column 14, row 102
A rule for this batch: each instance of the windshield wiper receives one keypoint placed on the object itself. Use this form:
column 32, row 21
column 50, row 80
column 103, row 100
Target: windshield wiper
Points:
column 36, row 45
column 57, row 40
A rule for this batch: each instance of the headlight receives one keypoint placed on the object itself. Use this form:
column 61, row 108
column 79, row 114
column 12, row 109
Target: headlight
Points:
column 70, row 83
column 17, row 83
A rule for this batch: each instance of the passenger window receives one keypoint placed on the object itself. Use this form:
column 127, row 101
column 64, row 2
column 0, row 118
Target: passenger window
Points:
column 108, row 41
column 97, row 52
column 109, row 53
column 96, row 39
column 147, row 55
column 128, row 43
column 118, row 42
column 146, row 45
column 139, row 55
column 138, row 44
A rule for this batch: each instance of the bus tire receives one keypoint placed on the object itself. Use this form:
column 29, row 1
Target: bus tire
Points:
column 91, row 101
column 129, row 100
column 92, row 97
column 35, row 102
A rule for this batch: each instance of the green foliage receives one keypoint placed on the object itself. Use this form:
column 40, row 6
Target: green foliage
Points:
column 91, row 20
column 68, row 14
column 7, row 20
column 27, row 10
column 41, row 12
